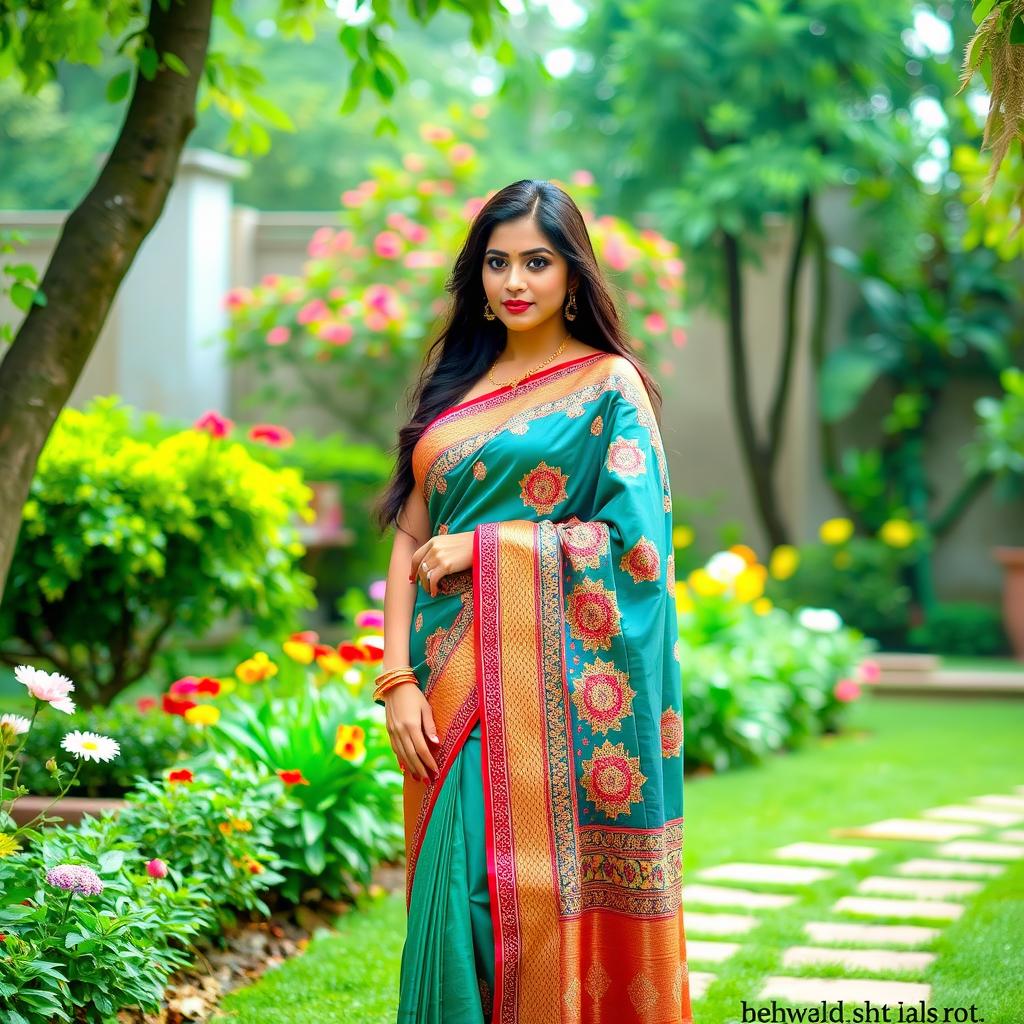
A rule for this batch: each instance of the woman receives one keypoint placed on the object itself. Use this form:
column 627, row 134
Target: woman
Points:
column 531, row 678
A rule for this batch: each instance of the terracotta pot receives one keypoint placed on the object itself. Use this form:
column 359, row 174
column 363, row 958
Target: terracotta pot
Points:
column 70, row 809
column 1012, row 561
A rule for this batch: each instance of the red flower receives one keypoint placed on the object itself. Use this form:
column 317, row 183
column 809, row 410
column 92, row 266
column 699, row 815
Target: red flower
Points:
column 208, row 685
column 352, row 652
column 292, row 777
column 213, row 424
column 181, row 775
column 184, row 685
column 176, row 707
column 306, row 636
column 277, row 437
column 146, row 703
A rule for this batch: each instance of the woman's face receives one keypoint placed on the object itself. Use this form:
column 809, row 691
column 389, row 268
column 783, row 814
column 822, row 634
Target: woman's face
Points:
column 521, row 264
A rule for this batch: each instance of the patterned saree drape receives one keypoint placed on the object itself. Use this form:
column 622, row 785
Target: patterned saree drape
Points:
column 561, row 642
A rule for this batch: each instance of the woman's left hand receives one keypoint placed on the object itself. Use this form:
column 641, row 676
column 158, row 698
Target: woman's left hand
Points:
column 441, row 555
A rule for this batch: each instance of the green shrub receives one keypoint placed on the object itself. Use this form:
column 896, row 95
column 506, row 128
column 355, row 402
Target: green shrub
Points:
column 865, row 588
column 123, row 540
column 962, row 627
column 150, row 743
column 82, row 957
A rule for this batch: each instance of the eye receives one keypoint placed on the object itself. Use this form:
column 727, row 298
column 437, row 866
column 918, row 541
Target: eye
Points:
column 543, row 261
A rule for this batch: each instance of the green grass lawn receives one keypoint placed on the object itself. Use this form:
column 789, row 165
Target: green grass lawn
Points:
column 897, row 757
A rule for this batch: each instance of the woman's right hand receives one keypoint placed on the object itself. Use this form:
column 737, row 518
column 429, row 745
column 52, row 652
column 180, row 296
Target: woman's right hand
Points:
column 410, row 725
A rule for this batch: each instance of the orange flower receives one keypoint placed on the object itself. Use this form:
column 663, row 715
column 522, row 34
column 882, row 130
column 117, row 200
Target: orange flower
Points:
column 181, row 775
column 256, row 669
column 225, row 827
column 292, row 777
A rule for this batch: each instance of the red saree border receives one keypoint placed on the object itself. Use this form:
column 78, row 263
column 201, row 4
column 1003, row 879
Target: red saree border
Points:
column 507, row 388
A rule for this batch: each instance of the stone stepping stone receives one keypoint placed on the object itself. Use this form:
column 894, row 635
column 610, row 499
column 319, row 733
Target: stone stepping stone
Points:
column 980, row 815
column 1013, row 835
column 699, row 981
column 918, row 888
column 722, row 896
column 963, row 868
column 911, row 828
column 981, row 850
column 715, row 952
column 849, row 990
column 780, row 874
column 895, row 934
column 1001, row 802
column 864, row 959
column 876, row 906
column 718, row 924
column 825, row 853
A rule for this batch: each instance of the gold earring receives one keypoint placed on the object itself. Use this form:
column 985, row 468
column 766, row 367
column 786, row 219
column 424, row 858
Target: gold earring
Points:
column 570, row 309
column 488, row 312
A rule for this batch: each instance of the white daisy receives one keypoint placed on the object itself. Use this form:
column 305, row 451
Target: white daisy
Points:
column 51, row 687
column 19, row 723
column 91, row 746
column 820, row 620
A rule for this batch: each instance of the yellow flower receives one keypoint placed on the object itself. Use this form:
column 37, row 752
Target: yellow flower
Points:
column 784, row 561
column 897, row 533
column 762, row 606
column 684, row 602
column 203, row 714
column 836, row 531
column 8, row 845
column 256, row 669
column 299, row 651
column 682, row 537
column 225, row 827
column 704, row 584
column 333, row 663
column 745, row 552
column 842, row 559
column 749, row 584
column 241, row 824
column 350, row 749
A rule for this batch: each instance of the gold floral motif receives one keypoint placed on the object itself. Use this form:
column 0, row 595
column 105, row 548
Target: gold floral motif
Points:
column 612, row 779
column 543, row 487
column 571, row 999
column 598, row 982
column 603, row 696
column 626, row 458
column 479, row 469
column 670, row 574
column 682, row 975
column 433, row 642
column 593, row 615
column 597, row 426
column 585, row 543
column 419, row 621
column 642, row 561
column 442, row 485
column 671, row 733
column 643, row 993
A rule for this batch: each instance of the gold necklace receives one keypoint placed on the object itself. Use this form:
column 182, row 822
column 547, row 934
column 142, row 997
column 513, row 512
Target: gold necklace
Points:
column 515, row 380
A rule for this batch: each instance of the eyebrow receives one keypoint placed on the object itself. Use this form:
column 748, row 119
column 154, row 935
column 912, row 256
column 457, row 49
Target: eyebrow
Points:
column 525, row 252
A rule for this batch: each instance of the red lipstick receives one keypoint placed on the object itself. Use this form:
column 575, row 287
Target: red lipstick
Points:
column 517, row 305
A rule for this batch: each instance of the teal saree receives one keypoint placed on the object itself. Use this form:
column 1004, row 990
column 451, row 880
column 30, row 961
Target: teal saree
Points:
column 544, row 863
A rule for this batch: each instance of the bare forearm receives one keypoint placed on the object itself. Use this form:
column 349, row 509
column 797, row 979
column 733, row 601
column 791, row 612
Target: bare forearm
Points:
column 399, row 599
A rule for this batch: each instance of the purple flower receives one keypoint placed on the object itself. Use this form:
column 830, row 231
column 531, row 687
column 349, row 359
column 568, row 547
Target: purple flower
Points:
column 376, row 590
column 75, row 878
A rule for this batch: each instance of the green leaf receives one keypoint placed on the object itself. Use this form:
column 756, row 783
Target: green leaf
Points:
column 22, row 295
column 149, row 61
column 383, row 84
column 981, row 9
column 313, row 825
column 316, row 858
column 118, row 86
column 846, row 375
column 176, row 64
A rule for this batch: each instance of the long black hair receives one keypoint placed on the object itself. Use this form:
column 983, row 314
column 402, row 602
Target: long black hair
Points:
column 468, row 343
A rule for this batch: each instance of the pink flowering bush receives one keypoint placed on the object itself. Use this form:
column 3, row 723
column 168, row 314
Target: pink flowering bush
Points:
column 356, row 319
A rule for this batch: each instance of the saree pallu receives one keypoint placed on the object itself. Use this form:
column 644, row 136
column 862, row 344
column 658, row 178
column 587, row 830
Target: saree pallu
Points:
column 544, row 862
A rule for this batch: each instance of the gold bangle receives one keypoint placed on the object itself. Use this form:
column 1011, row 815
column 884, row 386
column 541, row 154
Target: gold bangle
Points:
column 382, row 691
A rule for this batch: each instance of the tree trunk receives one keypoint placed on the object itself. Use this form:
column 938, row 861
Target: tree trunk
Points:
column 96, row 247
